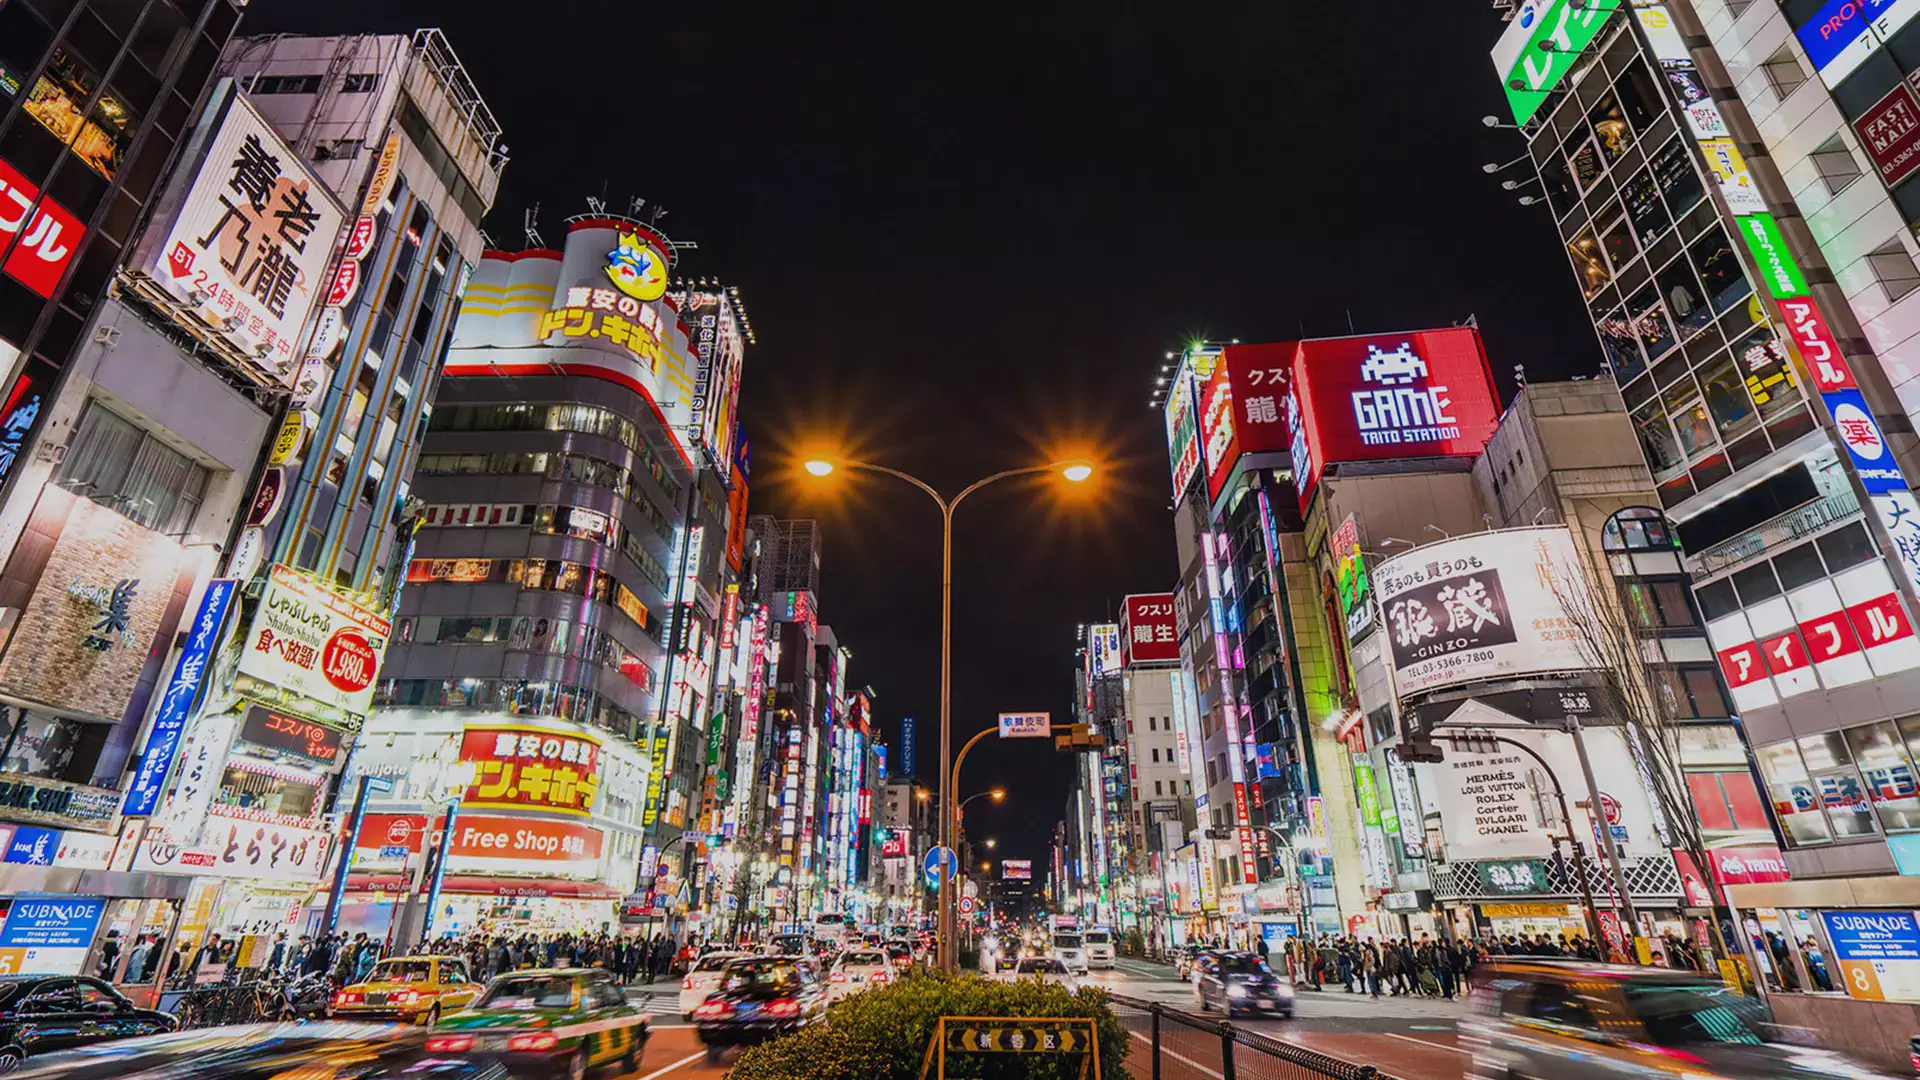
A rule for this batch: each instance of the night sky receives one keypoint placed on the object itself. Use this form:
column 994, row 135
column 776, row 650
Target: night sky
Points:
column 966, row 238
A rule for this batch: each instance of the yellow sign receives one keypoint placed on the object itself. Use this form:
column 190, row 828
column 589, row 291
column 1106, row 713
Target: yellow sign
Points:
column 292, row 435
column 636, row 269
column 1528, row 911
column 383, row 175
column 586, row 323
column 1012, row 1035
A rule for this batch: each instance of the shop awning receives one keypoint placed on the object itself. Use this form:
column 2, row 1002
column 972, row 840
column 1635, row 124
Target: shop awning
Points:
column 483, row 885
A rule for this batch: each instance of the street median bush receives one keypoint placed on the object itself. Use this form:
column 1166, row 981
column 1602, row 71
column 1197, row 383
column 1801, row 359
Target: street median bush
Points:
column 883, row 1034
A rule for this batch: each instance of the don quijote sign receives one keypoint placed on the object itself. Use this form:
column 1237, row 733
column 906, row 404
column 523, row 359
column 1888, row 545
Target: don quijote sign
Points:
column 315, row 643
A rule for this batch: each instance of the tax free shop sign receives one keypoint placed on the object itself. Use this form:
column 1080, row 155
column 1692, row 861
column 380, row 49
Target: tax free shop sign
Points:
column 1541, row 45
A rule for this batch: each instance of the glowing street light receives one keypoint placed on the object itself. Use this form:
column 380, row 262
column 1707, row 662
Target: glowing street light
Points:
column 1073, row 471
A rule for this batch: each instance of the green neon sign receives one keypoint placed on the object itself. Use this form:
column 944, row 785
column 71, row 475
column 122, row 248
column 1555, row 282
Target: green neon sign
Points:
column 1369, row 795
column 1769, row 249
column 1529, row 72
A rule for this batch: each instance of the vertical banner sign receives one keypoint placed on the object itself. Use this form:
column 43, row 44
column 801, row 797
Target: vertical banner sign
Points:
column 906, row 747
column 177, row 700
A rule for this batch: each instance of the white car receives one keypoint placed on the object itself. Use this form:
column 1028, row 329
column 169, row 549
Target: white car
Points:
column 1071, row 949
column 703, row 979
column 1100, row 949
column 856, row 970
column 1040, row 967
column 832, row 929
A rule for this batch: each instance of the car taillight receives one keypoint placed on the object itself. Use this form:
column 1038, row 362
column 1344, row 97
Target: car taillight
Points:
column 449, row 1044
column 713, row 1008
column 783, row 1007
column 347, row 997
column 880, row 977
column 1669, row 1052
column 686, row 983
column 533, row 1040
column 838, row 976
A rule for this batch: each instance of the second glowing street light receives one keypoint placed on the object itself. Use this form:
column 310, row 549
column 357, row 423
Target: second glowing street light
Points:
column 1073, row 471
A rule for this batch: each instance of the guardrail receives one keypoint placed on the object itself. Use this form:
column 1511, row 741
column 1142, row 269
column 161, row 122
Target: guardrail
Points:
column 1178, row 1045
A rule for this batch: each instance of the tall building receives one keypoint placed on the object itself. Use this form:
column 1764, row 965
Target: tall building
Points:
column 1769, row 384
column 569, row 583
column 1159, row 767
column 395, row 128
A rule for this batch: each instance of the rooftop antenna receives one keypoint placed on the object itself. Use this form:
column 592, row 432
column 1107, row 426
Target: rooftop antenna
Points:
column 531, row 221
column 596, row 205
column 1350, row 328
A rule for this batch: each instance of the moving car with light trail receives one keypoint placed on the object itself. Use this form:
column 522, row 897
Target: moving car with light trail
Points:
column 556, row 1023
column 856, row 970
column 762, row 998
column 703, row 980
column 42, row 1014
column 412, row 989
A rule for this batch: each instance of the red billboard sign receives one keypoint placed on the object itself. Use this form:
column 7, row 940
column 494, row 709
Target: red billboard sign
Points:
column 1148, row 633
column 48, row 237
column 1423, row 393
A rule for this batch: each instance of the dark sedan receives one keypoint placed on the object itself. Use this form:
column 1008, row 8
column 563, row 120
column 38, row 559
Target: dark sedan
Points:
column 760, row 998
column 45, row 1014
column 1240, row 982
column 327, row 1049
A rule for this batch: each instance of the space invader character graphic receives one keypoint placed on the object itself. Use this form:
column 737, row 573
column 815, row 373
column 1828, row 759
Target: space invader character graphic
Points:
column 1396, row 368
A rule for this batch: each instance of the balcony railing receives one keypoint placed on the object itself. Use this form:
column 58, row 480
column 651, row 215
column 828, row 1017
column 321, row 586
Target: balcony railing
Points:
column 1784, row 528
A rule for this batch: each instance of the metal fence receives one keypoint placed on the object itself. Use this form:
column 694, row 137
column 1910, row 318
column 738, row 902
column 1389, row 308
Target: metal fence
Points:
column 1169, row 1044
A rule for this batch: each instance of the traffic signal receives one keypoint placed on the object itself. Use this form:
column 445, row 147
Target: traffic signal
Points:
column 1421, row 751
column 1077, row 738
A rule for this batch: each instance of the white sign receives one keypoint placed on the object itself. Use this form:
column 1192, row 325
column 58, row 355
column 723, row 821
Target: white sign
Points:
column 1103, row 649
column 196, row 780
column 1026, row 725
column 246, row 255
column 237, row 847
column 311, row 641
column 83, row 851
column 1480, row 607
column 1487, row 804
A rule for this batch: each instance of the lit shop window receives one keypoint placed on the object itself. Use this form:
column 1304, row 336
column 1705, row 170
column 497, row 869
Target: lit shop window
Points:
column 100, row 137
column 1817, row 793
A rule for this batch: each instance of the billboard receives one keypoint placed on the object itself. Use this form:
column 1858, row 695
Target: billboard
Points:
column 528, row 768
column 47, row 240
column 1423, row 393
column 244, row 256
column 1541, row 45
column 1016, row 869
column 1148, row 631
column 1219, row 444
column 314, row 643
column 1480, row 607
column 1183, row 431
column 1103, row 650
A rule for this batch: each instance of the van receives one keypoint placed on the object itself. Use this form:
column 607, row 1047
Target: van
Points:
column 1099, row 948
column 831, row 929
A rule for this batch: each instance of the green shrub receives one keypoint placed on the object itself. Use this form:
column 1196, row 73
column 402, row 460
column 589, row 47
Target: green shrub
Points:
column 883, row 1034
column 1136, row 942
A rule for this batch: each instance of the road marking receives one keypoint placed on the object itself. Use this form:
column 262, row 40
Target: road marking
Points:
column 688, row 1060
column 1149, row 1042
column 1427, row 1042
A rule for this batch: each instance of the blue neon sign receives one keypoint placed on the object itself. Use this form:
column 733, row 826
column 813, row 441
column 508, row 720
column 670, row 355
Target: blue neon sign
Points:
column 176, row 701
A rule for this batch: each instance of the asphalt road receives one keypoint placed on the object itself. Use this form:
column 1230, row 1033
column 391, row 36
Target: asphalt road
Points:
column 1405, row 1038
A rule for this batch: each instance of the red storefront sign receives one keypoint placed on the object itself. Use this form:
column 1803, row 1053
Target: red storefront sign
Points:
column 1148, row 631
column 1755, row 864
column 532, row 768
column 1890, row 131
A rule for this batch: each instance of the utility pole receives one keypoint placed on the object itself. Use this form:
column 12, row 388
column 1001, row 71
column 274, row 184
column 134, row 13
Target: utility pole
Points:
column 1603, row 834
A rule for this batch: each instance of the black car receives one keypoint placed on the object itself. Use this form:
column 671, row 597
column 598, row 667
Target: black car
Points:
column 760, row 998
column 44, row 1014
column 267, row 1052
column 1240, row 982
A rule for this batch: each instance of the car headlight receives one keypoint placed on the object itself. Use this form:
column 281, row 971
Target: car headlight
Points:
column 1284, row 990
column 1236, row 991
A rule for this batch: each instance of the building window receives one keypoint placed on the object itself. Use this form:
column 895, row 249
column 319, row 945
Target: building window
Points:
column 1692, row 691
column 100, row 136
column 1156, row 755
column 1816, row 791
column 117, row 464
column 1893, row 268
column 359, row 84
column 1783, row 73
column 287, row 84
column 1658, row 604
column 1638, row 528
column 1836, row 163
column 1737, row 8
column 1156, row 788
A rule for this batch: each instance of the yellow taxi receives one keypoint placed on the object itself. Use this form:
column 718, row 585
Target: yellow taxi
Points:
column 416, row 989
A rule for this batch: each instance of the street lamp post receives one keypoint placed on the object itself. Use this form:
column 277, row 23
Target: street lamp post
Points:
column 1074, row 471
